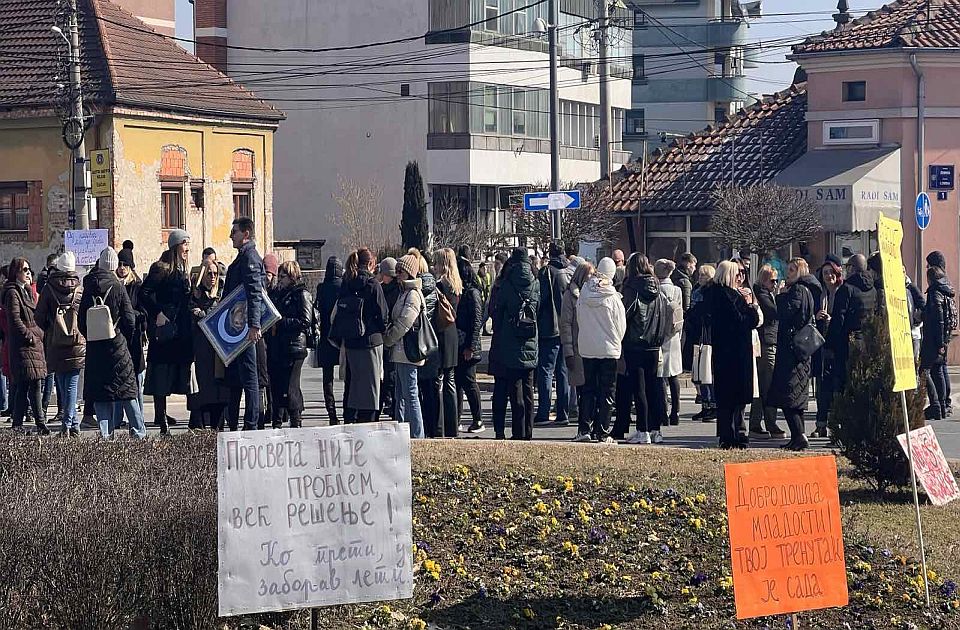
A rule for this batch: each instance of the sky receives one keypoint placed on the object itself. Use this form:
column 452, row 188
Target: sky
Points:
column 772, row 75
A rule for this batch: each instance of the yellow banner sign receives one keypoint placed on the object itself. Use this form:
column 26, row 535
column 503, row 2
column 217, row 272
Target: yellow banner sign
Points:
column 101, row 173
column 890, row 235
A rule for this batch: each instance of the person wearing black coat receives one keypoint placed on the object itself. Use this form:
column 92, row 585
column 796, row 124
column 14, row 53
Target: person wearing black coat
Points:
column 110, row 380
column 854, row 302
column 207, row 404
column 469, row 324
column 765, row 291
column 428, row 375
column 938, row 260
column 364, row 354
column 554, row 278
column 327, row 353
column 514, row 303
column 450, row 286
column 790, row 387
column 28, row 367
column 733, row 314
column 935, row 342
column 166, row 298
column 131, row 281
column 287, row 344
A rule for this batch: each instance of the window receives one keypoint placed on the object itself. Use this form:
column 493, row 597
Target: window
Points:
column 851, row 132
column 854, row 91
column 519, row 118
column 171, row 202
column 639, row 19
column 14, row 207
column 404, row 89
column 490, row 109
column 635, row 122
column 490, row 12
column 639, row 69
column 719, row 114
column 243, row 181
column 448, row 109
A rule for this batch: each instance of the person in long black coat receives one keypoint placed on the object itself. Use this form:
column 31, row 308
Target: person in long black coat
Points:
column 790, row 387
column 328, row 354
column 110, row 380
column 287, row 344
column 469, row 324
column 935, row 341
column 733, row 315
column 450, row 286
column 208, row 403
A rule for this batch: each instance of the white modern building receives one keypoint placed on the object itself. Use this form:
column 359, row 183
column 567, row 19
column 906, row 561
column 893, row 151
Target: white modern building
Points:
column 689, row 58
column 468, row 101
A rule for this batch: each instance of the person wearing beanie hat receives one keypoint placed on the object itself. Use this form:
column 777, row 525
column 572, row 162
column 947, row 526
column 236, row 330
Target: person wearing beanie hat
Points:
column 109, row 378
column 166, row 298
column 136, row 344
column 601, row 325
column 271, row 264
column 554, row 276
column 64, row 352
column 108, row 259
column 937, row 259
column 403, row 316
column 247, row 271
column 388, row 267
column 125, row 256
column 387, row 276
column 513, row 350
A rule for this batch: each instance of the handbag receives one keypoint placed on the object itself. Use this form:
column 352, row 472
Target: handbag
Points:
column 807, row 340
column 420, row 341
column 703, row 364
column 167, row 332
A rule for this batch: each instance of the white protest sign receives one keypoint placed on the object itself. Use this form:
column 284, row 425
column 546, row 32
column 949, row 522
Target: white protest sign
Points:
column 314, row 517
column 86, row 244
column 930, row 465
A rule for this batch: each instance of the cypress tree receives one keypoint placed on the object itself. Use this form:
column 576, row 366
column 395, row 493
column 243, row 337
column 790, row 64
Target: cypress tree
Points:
column 414, row 228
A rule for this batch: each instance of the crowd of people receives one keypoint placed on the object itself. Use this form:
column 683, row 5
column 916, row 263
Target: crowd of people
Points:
column 601, row 345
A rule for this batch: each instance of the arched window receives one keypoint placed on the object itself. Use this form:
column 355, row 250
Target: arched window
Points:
column 172, row 175
column 243, row 181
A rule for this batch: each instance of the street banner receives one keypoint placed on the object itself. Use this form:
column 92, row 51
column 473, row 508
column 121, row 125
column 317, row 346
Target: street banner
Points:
column 890, row 235
column 786, row 545
column 226, row 326
column 86, row 245
column 314, row 517
column 930, row 465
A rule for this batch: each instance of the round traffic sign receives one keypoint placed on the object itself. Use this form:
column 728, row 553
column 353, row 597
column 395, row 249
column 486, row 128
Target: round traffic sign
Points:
column 923, row 211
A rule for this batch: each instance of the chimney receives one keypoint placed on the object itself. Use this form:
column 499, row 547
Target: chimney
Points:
column 210, row 20
column 842, row 16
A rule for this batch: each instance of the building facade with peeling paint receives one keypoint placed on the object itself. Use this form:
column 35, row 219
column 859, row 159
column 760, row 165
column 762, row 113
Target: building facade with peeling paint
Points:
column 188, row 147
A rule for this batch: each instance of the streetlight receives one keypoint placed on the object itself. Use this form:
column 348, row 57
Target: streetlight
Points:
column 550, row 29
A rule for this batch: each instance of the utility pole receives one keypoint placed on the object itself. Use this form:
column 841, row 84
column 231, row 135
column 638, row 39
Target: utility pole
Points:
column 604, row 9
column 555, row 213
column 80, row 191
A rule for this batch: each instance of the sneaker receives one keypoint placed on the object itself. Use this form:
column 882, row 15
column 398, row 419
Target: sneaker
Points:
column 674, row 420
column 607, row 440
column 542, row 422
column 640, row 437
column 819, row 433
column 584, row 437
column 74, row 432
column 476, row 427
column 656, row 437
column 562, row 423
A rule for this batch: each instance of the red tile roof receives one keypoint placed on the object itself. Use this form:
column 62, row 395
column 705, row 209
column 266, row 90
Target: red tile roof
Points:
column 750, row 148
column 124, row 62
column 900, row 24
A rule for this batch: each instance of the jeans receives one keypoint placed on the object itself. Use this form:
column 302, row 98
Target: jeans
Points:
column 246, row 363
column 407, row 398
column 549, row 362
column 466, row 378
column 49, row 384
column 515, row 385
column 140, row 378
column 758, row 410
column 67, row 388
column 597, row 396
column 938, row 383
column 110, row 413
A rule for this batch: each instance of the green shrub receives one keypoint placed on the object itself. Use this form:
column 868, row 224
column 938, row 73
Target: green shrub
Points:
column 867, row 415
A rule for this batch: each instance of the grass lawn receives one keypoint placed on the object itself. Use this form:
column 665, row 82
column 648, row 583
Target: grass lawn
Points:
column 564, row 536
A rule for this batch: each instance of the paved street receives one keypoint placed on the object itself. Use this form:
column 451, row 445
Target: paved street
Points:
column 688, row 434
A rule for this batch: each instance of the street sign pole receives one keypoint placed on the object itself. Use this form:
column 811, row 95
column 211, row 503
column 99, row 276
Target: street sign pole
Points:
column 555, row 214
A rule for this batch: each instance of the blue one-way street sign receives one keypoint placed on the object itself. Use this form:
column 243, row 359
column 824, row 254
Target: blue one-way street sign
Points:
column 558, row 200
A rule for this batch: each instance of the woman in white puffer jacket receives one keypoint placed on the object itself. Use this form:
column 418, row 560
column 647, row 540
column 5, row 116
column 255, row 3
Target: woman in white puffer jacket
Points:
column 601, row 323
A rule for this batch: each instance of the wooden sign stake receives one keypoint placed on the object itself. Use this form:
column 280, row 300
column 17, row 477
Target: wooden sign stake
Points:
column 916, row 500
column 794, row 621
column 314, row 621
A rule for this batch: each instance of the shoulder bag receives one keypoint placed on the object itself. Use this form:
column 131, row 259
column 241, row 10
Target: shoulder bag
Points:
column 807, row 340
column 420, row 341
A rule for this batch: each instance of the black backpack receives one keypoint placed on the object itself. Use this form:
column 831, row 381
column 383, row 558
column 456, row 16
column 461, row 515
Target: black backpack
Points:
column 659, row 323
column 348, row 318
column 524, row 320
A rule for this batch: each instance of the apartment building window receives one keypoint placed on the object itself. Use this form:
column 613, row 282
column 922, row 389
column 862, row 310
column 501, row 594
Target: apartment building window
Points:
column 639, row 19
column 639, row 68
column 242, row 180
column 519, row 113
column 854, row 91
column 14, row 207
column 618, row 116
column 720, row 114
column 491, row 10
column 171, row 203
column 635, row 122
column 490, row 109
column 448, row 107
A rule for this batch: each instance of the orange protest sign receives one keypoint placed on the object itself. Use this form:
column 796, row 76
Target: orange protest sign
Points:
column 786, row 545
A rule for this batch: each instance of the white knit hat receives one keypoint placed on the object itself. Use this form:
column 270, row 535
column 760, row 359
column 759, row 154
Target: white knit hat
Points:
column 607, row 267
column 67, row 262
column 108, row 260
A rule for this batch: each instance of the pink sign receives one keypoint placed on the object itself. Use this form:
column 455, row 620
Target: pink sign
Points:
column 930, row 465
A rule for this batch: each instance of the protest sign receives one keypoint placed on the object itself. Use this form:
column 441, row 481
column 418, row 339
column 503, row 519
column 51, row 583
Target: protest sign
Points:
column 786, row 544
column 930, row 465
column 314, row 517
column 85, row 244
column 890, row 235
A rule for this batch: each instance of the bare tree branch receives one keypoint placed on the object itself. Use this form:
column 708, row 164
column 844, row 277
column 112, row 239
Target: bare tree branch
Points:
column 362, row 216
column 763, row 217
column 452, row 227
column 591, row 222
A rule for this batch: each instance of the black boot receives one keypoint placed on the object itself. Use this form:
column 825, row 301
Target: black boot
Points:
column 332, row 415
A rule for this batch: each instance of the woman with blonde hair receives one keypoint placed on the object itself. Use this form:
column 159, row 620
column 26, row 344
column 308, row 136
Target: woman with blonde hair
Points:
column 450, row 288
column 207, row 404
column 405, row 314
column 287, row 344
column 733, row 314
column 789, row 389
column 766, row 291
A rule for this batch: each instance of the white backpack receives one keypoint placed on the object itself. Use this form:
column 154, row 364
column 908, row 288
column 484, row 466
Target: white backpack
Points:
column 99, row 320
